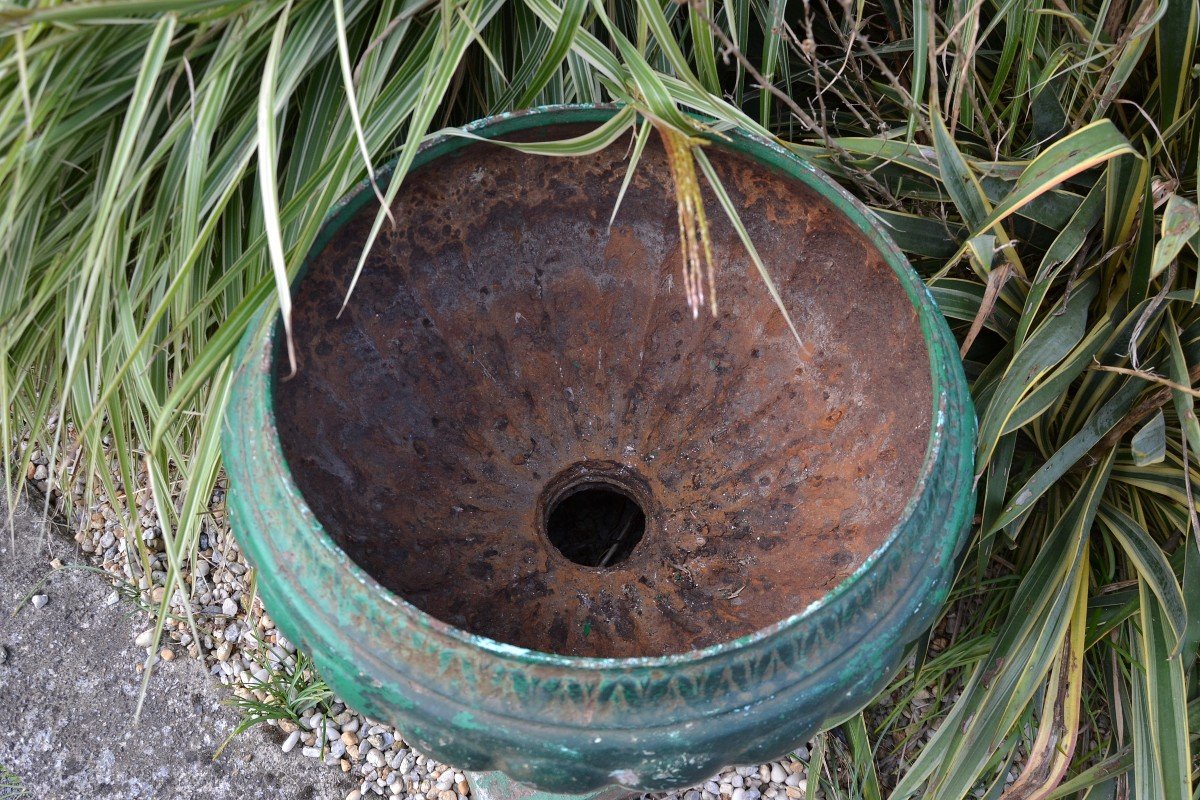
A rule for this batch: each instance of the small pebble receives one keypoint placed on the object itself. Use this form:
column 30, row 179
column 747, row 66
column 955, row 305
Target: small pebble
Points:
column 229, row 608
column 39, row 601
column 166, row 654
column 144, row 638
column 290, row 741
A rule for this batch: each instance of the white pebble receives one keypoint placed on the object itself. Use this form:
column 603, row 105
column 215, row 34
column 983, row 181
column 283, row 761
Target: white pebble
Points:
column 311, row 752
column 229, row 607
column 144, row 638
column 739, row 793
column 291, row 740
column 39, row 600
column 778, row 774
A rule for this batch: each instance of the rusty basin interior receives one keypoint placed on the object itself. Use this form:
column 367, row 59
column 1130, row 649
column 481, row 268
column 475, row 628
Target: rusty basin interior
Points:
column 517, row 426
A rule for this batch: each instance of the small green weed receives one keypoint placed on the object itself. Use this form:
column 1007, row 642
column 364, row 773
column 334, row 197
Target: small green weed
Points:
column 289, row 692
column 10, row 784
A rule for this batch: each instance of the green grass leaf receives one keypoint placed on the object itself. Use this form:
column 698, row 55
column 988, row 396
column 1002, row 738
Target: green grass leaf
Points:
column 1070, row 454
column 268, row 183
column 1151, row 565
column 1175, row 48
column 1048, row 345
column 1181, row 222
column 1149, row 444
column 1162, row 757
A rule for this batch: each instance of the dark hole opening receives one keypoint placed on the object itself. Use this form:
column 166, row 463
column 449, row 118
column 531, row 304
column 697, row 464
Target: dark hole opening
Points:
column 596, row 526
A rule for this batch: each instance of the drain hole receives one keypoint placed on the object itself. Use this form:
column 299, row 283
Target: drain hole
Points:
column 596, row 526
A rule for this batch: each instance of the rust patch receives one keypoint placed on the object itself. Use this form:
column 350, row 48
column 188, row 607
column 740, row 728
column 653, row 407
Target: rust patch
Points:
column 501, row 335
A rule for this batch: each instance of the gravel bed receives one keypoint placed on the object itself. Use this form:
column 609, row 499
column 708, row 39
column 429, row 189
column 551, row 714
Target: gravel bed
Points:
column 239, row 645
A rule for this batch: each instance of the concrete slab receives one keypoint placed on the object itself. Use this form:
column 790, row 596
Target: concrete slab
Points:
column 68, row 689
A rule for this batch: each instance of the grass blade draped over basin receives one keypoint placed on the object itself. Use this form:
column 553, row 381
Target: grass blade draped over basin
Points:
column 131, row 188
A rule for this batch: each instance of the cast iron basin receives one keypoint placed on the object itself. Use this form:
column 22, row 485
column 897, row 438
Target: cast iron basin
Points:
column 519, row 502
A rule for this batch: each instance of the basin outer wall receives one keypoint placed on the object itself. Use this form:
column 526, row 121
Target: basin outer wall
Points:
column 574, row 725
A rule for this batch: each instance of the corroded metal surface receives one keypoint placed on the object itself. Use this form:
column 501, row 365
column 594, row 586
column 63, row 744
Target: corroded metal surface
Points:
column 574, row 725
column 502, row 335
